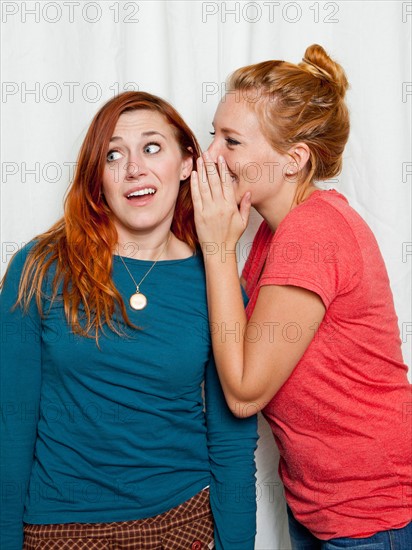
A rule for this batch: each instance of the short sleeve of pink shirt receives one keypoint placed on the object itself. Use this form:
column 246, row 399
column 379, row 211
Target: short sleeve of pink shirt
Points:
column 314, row 248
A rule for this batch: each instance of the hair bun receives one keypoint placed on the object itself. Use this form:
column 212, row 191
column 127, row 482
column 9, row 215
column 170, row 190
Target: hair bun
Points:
column 318, row 63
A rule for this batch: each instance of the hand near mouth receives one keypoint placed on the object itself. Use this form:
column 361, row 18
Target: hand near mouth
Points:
column 218, row 218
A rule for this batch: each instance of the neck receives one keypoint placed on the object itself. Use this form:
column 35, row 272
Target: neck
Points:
column 277, row 208
column 145, row 246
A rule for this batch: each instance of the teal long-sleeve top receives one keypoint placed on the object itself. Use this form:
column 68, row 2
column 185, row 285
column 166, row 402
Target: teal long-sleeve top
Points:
column 121, row 431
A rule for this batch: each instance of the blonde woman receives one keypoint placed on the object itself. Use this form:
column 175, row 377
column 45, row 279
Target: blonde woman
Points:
column 318, row 350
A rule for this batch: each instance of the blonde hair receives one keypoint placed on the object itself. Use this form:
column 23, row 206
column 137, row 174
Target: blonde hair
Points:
column 300, row 103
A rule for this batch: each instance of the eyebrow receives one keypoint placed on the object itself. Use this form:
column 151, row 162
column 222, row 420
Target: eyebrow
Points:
column 144, row 134
column 228, row 130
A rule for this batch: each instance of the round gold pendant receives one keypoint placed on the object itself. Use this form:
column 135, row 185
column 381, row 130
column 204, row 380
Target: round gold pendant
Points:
column 138, row 301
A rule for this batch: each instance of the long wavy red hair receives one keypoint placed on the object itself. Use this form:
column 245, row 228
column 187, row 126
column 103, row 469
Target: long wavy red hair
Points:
column 81, row 243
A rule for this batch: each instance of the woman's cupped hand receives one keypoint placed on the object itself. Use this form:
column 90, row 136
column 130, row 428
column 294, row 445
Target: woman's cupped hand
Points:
column 218, row 218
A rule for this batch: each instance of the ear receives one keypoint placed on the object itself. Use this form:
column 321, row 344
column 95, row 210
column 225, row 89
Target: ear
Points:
column 187, row 166
column 300, row 154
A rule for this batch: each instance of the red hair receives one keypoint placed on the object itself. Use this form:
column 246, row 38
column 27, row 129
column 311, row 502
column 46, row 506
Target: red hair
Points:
column 81, row 243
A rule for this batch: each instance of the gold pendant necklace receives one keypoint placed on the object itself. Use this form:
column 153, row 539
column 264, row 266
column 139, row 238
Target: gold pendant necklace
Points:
column 138, row 300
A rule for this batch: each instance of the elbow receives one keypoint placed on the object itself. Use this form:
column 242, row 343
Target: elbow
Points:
column 244, row 409
column 245, row 401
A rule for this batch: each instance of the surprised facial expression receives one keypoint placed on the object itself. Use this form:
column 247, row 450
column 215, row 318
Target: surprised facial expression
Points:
column 143, row 171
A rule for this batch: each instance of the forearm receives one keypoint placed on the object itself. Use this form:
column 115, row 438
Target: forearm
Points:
column 232, row 444
column 233, row 487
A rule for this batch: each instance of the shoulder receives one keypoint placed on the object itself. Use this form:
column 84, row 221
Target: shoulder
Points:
column 322, row 207
column 18, row 260
column 325, row 217
column 10, row 283
column 318, row 247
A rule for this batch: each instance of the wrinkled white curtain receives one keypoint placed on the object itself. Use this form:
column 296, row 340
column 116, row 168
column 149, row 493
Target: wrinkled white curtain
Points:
column 62, row 60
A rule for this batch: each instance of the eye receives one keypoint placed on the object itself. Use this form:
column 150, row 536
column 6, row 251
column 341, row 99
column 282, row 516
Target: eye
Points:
column 232, row 142
column 151, row 148
column 212, row 133
column 113, row 155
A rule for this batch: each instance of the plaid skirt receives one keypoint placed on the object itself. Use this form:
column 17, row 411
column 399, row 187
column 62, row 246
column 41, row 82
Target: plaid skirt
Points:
column 187, row 526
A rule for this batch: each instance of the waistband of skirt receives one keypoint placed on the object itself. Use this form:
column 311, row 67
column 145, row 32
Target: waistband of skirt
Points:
column 193, row 509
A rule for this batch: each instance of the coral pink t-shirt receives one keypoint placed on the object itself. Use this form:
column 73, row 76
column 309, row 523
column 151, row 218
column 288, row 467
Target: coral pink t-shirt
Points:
column 343, row 419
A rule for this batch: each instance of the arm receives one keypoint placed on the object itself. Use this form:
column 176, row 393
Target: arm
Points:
column 20, row 397
column 232, row 443
column 255, row 365
column 253, row 361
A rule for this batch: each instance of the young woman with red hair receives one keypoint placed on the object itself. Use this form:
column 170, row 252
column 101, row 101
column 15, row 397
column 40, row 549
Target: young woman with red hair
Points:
column 105, row 347
column 318, row 350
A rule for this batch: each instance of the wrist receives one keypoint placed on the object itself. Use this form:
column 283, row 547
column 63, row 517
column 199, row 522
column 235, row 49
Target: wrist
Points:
column 225, row 252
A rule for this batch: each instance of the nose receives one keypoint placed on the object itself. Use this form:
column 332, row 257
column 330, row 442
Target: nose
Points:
column 135, row 168
column 213, row 150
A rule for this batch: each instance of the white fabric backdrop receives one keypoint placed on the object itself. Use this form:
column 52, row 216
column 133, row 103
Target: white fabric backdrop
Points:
column 62, row 60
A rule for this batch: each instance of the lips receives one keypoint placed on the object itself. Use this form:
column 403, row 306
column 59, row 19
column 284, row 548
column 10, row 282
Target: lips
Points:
column 141, row 191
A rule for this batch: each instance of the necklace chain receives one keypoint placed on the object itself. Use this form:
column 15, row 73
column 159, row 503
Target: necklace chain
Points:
column 142, row 304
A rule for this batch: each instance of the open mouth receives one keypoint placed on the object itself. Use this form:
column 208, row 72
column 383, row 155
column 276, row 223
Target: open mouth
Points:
column 141, row 193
